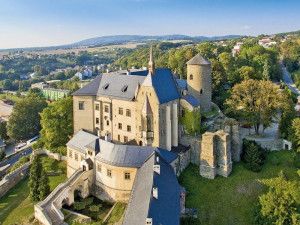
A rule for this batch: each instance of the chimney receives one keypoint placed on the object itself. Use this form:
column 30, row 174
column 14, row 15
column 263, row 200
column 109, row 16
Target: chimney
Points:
column 155, row 193
column 156, row 168
column 107, row 137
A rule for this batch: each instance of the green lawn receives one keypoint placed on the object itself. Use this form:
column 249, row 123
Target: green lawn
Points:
column 230, row 200
column 117, row 213
column 14, row 98
column 15, row 207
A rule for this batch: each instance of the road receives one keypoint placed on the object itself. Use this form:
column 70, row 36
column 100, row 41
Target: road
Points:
column 15, row 158
column 287, row 79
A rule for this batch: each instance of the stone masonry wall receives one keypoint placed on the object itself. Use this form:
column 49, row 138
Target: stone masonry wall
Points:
column 13, row 179
column 195, row 144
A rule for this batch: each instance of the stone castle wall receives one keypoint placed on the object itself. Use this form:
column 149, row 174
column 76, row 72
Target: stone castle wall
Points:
column 215, row 152
column 7, row 183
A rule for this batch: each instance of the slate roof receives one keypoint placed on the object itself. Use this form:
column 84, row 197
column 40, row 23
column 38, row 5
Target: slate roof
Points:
column 89, row 89
column 115, row 84
column 165, row 209
column 162, row 82
column 94, row 145
column 81, row 139
column 128, row 155
column 181, row 84
column 198, row 60
column 191, row 99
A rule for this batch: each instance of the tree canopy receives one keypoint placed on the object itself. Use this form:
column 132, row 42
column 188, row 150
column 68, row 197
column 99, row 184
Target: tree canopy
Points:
column 57, row 124
column 255, row 102
column 25, row 118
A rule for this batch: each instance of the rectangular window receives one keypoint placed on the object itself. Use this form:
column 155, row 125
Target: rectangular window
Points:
column 120, row 111
column 128, row 128
column 119, row 137
column 120, row 126
column 99, row 168
column 109, row 173
column 76, row 156
column 70, row 153
column 127, row 176
column 128, row 112
column 125, row 139
column 97, row 107
column 90, row 153
column 106, row 109
column 81, row 105
column 97, row 121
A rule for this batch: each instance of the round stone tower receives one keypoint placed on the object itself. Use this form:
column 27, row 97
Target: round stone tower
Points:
column 199, row 81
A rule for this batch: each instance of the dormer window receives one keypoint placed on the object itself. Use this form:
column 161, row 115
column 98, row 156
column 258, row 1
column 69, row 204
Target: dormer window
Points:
column 105, row 86
column 155, row 193
column 149, row 221
column 191, row 77
column 124, row 88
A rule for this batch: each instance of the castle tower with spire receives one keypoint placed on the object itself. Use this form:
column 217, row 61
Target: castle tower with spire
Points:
column 151, row 63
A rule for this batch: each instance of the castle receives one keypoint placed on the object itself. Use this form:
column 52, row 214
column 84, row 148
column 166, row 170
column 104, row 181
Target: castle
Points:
column 129, row 144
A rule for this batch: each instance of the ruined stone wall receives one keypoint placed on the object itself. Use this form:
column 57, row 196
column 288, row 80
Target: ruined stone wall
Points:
column 195, row 145
column 236, row 141
column 7, row 183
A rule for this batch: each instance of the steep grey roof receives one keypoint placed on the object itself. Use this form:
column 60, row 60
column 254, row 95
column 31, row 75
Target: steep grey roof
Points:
column 2, row 143
column 113, row 85
column 89, row 89
column 116, row 83
column 191, row 99
column 198, row 60
column 81, row 139
column 142, row 205
column 181, row 84
column 128, row 155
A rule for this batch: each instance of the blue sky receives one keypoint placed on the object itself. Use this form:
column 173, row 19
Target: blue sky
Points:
column 26, row 23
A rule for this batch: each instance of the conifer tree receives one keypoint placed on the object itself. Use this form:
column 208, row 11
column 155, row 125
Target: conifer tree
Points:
column 253, row 158
column 266, row 74
column 44, row 188
column 34, row 177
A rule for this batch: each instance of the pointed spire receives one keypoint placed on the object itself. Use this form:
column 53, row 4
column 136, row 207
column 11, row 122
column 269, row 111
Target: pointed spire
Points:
column 151, row 63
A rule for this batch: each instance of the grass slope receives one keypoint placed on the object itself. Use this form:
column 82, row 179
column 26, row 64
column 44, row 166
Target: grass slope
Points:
column 230, row 200
column 15, row 207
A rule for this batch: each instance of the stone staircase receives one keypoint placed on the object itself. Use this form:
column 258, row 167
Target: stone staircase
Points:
column 47, row 208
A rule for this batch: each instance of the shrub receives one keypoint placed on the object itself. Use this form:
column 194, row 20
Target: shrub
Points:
column 189, row 221
column 297, row 160
column 95, row 208
column 275, row 160
column 253, row 155
column 83, row 203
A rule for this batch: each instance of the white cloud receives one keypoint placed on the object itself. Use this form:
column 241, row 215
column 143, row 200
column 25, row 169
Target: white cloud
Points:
column 246, row 27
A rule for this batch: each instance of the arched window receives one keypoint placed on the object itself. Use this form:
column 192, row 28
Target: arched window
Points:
column 201, row 91
column 191, row 76
column 107, row 122
column 141, row 143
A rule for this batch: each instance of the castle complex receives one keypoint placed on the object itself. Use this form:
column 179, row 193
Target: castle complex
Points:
column 129, row 144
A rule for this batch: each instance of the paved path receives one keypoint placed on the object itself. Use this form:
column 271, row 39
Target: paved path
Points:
column 287, row 79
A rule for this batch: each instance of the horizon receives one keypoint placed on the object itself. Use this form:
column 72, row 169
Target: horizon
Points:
column 54, row 23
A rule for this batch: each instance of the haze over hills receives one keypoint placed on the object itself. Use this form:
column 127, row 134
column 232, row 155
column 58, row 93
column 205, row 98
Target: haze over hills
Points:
column 121, row 39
